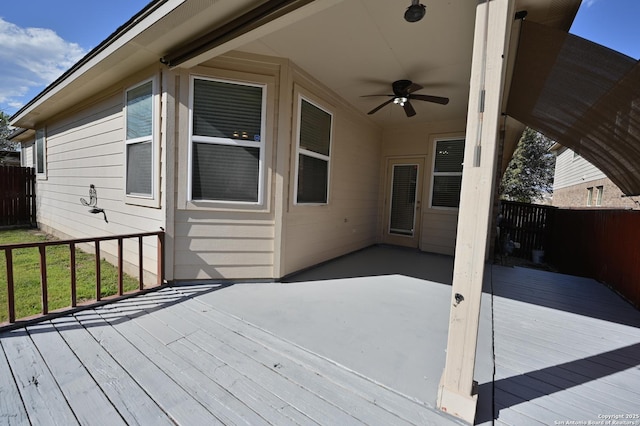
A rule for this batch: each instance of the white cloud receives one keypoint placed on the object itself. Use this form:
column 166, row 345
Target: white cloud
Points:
column 589, row 3
column 31, row 58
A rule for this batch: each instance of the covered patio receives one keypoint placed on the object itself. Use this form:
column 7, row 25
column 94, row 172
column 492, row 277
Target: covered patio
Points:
column 360, row 339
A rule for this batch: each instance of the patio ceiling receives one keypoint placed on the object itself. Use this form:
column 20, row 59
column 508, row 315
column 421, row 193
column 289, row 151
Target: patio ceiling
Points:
column 359, row 47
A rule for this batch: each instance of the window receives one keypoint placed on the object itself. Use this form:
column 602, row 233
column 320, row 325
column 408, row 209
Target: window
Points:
column 599, row 191
column 313, row 153
column 447, row 173
column 139, row 116
column 226, row 141
column 41, row 152
column 589, row 196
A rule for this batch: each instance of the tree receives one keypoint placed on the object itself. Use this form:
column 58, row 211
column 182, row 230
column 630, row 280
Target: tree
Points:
column 529, row 174
column 5, row 131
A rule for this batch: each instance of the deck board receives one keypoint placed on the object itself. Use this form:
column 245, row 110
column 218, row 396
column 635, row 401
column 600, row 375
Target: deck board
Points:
column 43, row 400
column 132, row 402
column 87, row 401
column 13, row 411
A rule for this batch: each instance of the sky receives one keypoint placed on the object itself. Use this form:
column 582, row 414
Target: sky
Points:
column 40, row 39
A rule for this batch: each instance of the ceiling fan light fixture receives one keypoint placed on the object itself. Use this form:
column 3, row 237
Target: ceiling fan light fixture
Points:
column 415, row 12
column 400, row 100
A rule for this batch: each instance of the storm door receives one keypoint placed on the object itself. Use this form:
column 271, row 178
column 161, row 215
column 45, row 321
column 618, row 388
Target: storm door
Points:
column 403, row 201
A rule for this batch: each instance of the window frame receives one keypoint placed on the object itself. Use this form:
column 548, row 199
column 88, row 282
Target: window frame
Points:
column 152, row 199
column 590, row 196
column 43, row 132
column 261, row 144
column 599, row 194
column 318, row 156
column 462, row 140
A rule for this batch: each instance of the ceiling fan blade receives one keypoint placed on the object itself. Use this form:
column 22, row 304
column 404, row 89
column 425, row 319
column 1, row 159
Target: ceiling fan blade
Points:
column 408, row 109
column 429, row 98
column 380, row 106
column 413, row 88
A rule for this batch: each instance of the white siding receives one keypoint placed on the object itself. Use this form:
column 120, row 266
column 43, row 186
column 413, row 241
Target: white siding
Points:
column 87, row 148
column 572, row 170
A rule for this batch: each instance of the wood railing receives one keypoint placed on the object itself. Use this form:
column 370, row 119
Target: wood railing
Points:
column 72, row 244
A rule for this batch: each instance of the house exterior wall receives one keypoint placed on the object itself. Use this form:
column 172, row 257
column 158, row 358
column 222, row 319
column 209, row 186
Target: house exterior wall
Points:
column 278, row 237
column 577, row 183
column 349, row 221
column 438, row 226
column 86, row 147
column 218, row 240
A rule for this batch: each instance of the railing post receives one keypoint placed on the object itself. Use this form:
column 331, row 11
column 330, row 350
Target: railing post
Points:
column 98, row 278
column 120, row 272
column 11, row 303
column 161, row 258
column 43, row 278
column 72, row 267
column 140, row 265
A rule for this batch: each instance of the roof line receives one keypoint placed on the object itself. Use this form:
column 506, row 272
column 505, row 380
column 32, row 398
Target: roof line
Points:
column 119, row 32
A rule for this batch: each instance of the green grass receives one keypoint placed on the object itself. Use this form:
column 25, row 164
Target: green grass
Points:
column 26, row 276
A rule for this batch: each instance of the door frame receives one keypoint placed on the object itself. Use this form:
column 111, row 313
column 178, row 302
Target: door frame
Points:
column 399, row 239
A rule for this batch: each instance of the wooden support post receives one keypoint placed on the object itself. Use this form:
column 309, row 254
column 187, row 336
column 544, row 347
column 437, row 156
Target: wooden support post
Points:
column 490, row 51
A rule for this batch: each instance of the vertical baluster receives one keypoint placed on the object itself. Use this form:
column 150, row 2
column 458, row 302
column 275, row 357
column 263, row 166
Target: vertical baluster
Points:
column 120, row 272
column 72, row 266
column 11, row 302
column 98, row 278
column 43, row 278
column 140, row 265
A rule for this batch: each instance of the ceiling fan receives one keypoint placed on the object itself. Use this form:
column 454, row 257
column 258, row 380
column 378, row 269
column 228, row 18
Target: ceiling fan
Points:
column 403, row 92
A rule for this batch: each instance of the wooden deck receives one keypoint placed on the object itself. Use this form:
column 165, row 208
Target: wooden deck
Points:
column 167, row 357
column 564, row 348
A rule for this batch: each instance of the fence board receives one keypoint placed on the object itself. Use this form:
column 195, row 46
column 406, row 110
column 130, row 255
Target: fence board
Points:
column 17, row 196
column 525, row 224
column 600, row 244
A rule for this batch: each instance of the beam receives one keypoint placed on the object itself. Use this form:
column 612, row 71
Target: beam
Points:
column 488, row 73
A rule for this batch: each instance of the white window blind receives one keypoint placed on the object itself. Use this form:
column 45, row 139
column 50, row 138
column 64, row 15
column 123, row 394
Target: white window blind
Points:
column 447, row 173
column 226, row 151
column 403, row 199
column 314, row 144
column 139, row 143
column 40, row 152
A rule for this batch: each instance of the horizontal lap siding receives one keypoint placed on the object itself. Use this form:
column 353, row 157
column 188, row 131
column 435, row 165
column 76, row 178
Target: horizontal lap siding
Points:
column 208, row 247
column 84, row 149
column 439, row 230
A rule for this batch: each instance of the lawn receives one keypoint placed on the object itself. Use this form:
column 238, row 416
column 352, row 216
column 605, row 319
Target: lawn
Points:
column 26, row 276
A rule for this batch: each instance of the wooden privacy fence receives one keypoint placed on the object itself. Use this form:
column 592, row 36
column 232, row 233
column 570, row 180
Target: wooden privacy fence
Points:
column 17, row 196
column 42, row 246
column 600, row 244
column 525, row 224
